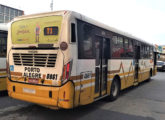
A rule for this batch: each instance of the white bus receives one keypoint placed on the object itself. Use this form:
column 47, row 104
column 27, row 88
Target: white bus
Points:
column 64, row 59
column 3, row 49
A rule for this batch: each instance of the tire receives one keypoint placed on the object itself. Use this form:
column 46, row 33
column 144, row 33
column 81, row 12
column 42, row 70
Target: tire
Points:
column 115, row 89
column 149, row 79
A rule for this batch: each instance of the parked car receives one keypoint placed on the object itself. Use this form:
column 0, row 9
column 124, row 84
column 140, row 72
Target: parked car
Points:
column 160, row 65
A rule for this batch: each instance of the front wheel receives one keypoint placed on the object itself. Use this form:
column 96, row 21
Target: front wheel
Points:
column 115, row 89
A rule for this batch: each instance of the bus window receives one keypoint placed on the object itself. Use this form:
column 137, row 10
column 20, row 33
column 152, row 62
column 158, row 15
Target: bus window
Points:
column 117, row 47
column 3, row 44
column 126, row 43
column 128, row 46
column 73, row 32
column 145, row 52
column 148, row 51
column 142, row 51
column 151, row 52
column 85, row 41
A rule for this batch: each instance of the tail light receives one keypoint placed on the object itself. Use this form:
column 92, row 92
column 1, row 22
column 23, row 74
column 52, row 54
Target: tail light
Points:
column 66, row 71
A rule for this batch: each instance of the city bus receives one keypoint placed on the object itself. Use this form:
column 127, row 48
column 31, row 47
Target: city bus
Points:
column 64, row 59
column 3, row 49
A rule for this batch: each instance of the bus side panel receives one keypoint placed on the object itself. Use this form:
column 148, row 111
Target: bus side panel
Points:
column 3, row 84
column 124, row 69
column 86, row 82
column 144, row 72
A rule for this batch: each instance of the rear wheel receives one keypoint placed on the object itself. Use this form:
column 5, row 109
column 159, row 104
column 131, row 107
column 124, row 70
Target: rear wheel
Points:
column 115, row 89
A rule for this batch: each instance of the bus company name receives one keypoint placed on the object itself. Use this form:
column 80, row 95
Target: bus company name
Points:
column 32, row 72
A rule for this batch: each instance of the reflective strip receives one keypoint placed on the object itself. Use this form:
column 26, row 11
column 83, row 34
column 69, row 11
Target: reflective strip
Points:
column 75, row 81
column 122, row 76
column 85, row 86
column 144, row 71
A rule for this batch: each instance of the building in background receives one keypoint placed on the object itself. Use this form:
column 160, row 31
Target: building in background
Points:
column 8, row 13
column 161, row 52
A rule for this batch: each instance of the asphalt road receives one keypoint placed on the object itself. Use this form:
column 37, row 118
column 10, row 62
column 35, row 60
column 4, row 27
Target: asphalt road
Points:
column 144, row 102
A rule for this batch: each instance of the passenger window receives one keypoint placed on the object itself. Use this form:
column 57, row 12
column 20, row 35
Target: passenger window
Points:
column 73, row 33
column 85, row 41
column 151, row 52
column 128, row 45
column 117, row 47
column 3, row 44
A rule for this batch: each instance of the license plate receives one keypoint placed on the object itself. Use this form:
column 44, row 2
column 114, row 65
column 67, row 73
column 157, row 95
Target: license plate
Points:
column 33, row 80
column 27, row 90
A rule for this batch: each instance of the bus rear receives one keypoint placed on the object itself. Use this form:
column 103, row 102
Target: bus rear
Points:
column 38, row 69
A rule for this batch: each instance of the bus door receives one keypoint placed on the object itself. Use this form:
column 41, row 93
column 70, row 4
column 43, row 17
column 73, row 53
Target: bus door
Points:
column 102, row 50
column 137, row 57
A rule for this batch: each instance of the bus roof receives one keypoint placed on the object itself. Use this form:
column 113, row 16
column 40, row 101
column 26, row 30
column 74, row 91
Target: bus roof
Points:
column 94, row 22
column 83, row 17
column 3, row 27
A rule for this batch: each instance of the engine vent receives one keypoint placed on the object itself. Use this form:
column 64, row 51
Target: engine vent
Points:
column 38, row 60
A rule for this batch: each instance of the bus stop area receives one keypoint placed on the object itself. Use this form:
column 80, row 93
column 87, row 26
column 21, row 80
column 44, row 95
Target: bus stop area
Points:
column 144, row 102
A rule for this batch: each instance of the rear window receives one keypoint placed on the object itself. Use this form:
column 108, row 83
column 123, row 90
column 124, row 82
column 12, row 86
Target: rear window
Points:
column 42, row 30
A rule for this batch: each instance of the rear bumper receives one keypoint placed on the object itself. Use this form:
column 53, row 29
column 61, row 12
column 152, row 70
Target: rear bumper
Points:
column 43, row 95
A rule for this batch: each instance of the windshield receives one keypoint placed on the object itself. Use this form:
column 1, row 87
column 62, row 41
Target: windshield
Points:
column 42, row 30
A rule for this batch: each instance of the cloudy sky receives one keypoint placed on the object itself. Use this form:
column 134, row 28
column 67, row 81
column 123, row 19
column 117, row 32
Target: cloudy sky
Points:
column 142, row 18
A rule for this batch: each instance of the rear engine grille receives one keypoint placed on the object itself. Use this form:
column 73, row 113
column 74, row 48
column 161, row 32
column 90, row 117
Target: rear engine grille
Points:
column 38, row 60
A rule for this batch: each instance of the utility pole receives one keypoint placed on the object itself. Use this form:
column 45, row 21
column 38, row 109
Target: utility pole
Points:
column 51, row 5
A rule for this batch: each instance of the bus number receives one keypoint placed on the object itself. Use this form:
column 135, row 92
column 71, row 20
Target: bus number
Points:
column 51, row 76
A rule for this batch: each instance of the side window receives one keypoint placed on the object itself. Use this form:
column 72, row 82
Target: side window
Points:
column 85, row 41
column 73, row 33
column 148, row 52
column 117, row 47
column 145, row 55
column 126, row 43
column 128, row 48
column 3, row 44
column 151, row 52
column 142, row 51
column 145, row 51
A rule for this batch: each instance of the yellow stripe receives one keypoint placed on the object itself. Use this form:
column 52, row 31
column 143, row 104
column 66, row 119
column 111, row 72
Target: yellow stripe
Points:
column 84, row 82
